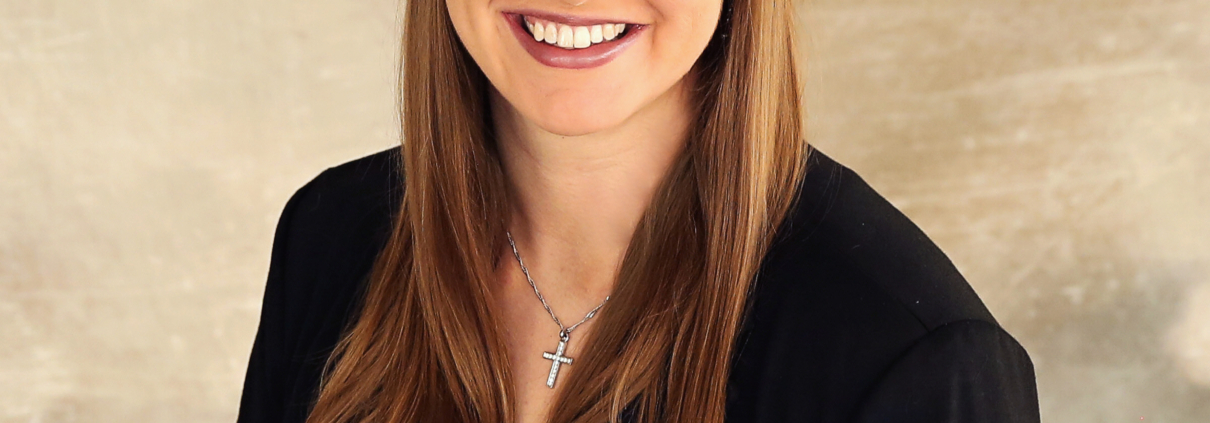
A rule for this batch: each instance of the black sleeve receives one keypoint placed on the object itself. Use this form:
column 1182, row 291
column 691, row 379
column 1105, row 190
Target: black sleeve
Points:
column 965, row 371
column 265, row 384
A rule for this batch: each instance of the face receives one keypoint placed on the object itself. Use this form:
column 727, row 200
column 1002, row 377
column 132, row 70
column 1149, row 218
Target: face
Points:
column 575, row 70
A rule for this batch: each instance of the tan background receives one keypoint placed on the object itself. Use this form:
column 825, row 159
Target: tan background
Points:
column 1059, row 150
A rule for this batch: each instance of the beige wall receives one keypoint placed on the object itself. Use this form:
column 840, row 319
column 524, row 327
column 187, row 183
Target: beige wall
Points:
column 1058, row 150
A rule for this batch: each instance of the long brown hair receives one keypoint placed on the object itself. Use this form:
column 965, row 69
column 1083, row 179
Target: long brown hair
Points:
column 424, row 346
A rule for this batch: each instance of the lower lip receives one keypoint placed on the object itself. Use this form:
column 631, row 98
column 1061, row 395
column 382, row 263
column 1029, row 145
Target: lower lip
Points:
column 580, row 58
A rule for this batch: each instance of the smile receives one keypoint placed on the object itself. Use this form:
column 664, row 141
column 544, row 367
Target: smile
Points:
column 570, row 42
column 567, row 36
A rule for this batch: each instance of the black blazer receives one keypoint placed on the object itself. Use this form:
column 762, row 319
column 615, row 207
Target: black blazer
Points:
column 856, row 316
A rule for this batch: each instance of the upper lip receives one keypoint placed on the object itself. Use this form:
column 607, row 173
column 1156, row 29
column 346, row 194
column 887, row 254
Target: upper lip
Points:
column 568, row 19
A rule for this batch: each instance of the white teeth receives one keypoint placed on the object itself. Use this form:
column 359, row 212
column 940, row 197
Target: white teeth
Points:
column 583, row 39
column 566, row 38
column 573, row 37
column 537, row 30
column 551, row 35
column 595, row 34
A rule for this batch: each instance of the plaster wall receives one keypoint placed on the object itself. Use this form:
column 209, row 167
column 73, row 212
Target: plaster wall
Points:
column 1058, row 150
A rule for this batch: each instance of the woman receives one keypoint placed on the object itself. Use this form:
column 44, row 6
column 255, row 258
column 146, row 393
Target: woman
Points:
column 607, row 211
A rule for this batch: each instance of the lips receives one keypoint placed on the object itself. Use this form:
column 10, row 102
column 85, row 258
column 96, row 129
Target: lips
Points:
column 571, row 42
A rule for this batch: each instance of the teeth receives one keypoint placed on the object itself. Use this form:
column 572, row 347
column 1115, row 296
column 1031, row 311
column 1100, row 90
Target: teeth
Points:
column 551, row 35
column 595, row 34
column 583, row 39
column 573, row 37
column 537, row 30
column 566, row 38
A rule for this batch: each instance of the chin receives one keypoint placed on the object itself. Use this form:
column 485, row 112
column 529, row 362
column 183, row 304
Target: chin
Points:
column 586, row 120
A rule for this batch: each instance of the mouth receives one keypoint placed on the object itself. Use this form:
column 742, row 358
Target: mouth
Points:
column 573, row 36
column 571, row 42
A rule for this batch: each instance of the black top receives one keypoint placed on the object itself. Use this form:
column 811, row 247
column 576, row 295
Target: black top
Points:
column 856, row 315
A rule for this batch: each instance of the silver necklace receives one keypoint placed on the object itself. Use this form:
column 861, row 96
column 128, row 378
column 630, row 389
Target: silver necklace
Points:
column 557, row 358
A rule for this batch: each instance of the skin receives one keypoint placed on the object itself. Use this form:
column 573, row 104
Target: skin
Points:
column 583, row 151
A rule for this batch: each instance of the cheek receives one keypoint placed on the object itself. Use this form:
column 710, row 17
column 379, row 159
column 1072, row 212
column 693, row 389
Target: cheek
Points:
column 468, row 18
column 696, row 18
column 688, row 26
column 464, row 28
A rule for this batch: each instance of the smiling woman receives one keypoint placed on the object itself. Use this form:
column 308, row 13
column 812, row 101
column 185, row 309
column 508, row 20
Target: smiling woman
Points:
column 647, row 160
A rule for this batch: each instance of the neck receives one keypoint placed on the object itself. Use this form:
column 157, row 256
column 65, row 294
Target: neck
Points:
column 576, row 200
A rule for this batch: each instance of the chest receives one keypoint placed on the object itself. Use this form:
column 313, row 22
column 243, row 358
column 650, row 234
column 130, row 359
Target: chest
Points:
column 540, row 361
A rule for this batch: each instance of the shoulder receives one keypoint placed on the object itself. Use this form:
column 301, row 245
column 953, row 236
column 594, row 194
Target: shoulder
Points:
column 849, row 291
column 367, row 182
column 333, row 226
column 963, row 371
column 327, row 238
column 349, row 203
column 842, row 231
column 329, row 234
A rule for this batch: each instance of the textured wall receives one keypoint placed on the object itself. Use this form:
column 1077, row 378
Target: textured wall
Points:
column 1058, row 150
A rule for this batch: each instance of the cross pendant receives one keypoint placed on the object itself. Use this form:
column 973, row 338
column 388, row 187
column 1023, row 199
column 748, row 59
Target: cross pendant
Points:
column 556, row 359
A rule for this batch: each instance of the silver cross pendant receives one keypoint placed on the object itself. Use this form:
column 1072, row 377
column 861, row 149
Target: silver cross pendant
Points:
column 557, row 359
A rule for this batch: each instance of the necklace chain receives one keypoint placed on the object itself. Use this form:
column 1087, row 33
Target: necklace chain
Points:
column 564, row 331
